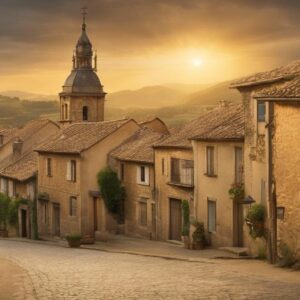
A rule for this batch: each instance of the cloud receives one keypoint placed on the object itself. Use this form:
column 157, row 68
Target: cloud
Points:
column 35, row 33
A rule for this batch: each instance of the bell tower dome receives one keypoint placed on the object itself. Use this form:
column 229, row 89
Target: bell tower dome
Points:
column 82, row 98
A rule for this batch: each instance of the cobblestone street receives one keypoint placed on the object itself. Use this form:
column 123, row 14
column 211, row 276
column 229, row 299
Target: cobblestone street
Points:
column 63, row 273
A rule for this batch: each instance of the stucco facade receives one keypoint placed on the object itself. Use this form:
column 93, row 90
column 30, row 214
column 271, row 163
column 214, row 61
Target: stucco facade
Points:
column 229, row 215
column 90, row 214
column 166, row 190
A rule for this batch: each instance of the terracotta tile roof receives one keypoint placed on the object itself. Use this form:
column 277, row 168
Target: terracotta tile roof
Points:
column 282, row 90
column 8, row 134
column 138, row 148
column 216, row 121
column 32, row 127
column 275, row 75
column 228, row 125
column 80, row 136
column 23, row 168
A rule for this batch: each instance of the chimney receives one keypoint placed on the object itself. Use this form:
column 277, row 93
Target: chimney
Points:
column 17, row 147
column 224, row 103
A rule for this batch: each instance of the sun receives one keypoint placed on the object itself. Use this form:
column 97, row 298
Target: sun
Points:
column 197, row 62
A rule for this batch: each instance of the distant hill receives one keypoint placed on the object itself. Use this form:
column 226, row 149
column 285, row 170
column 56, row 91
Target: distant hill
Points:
column 147, row 97
column 15, row 112
column 213, row 94
column 29, row 96
column 174, row 103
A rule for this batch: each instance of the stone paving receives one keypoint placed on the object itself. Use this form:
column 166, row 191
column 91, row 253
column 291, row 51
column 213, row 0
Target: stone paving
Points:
column 63, row 273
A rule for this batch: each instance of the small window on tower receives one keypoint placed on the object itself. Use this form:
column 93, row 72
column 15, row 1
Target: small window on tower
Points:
column 85, row 113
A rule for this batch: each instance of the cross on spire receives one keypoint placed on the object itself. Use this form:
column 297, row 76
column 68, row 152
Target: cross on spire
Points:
column 84, row 13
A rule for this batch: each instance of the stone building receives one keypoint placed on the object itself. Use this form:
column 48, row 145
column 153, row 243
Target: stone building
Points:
column 271, row 101
column 82, row 98
column 69, row 199
column 134, row 161
column 218, row 165
column 18, row 165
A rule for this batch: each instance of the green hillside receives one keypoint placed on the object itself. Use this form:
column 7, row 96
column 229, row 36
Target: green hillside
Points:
column 15, row 112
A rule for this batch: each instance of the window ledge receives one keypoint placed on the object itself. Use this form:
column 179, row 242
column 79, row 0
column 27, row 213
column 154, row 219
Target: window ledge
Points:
column 143, row 183
column 210, row 175
column 184, row 185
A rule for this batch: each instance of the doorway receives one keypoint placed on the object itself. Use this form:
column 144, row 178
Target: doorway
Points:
column 238, row 223
column 23, row 223
column 175, row 220
column 56, row 219
column 95, row 214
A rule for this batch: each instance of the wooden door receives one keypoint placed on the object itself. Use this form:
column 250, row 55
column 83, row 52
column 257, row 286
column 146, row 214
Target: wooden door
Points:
column 24, row 222
column 56, row 219
column 175, row 219
column 95, row 214
column 238, row 223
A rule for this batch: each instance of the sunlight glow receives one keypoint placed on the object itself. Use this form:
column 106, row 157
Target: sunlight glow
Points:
column 197, row 62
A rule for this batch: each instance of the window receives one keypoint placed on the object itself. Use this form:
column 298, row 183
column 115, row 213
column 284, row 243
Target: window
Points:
column 11, row 188
column 73, row 206
column 4, row 186
column 163, row 166
column 261, row 111
column 238, row 164
column 143, row 175
column 49, row 167
column 31, row 190
column 71, row 170
column 85, row 113
column 212, row 215
column 122, row 171
column 210, row 161
column 182, row 171
column 66, row 112
column 62, row 111
column 142, row 212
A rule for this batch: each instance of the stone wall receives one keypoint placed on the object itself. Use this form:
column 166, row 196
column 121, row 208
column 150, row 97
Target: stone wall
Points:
column 286, row 144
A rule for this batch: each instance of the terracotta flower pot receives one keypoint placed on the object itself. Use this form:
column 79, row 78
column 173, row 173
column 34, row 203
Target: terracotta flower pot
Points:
column 186, row 242
column 198, row 245
column 74, row 243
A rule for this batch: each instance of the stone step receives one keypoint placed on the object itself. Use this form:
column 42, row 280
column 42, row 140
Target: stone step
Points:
column 239, row 251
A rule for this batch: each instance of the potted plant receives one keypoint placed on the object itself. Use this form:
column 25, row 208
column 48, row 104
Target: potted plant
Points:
column 74, row 240
column 255, row 220
column 237, row 192
column 199, row 240
column 186, row 224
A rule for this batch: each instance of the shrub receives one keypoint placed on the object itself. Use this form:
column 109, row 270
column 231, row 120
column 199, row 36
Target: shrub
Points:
column 287, row 257
column 111, row 190
column 256, row 213
column 237, row 191
column 199, row 233
column 186, row 218
column 74, row 237
column 5, row 203
column 255, row 220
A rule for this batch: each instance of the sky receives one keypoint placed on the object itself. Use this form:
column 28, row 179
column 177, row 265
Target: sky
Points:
column 145, row 42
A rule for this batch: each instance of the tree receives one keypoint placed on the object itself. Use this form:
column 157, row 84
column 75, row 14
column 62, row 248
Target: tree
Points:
column 111, row 189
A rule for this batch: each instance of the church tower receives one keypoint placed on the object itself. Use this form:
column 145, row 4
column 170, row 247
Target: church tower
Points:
column 82, row 97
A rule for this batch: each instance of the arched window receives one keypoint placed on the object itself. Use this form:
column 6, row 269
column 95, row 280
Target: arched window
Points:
column 85, row 113
column 63, row 112
column 66, row 112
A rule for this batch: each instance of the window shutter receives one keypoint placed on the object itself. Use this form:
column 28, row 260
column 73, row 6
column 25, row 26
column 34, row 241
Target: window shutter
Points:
column 138, row 174
column 147, row 175
column 69, row 170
